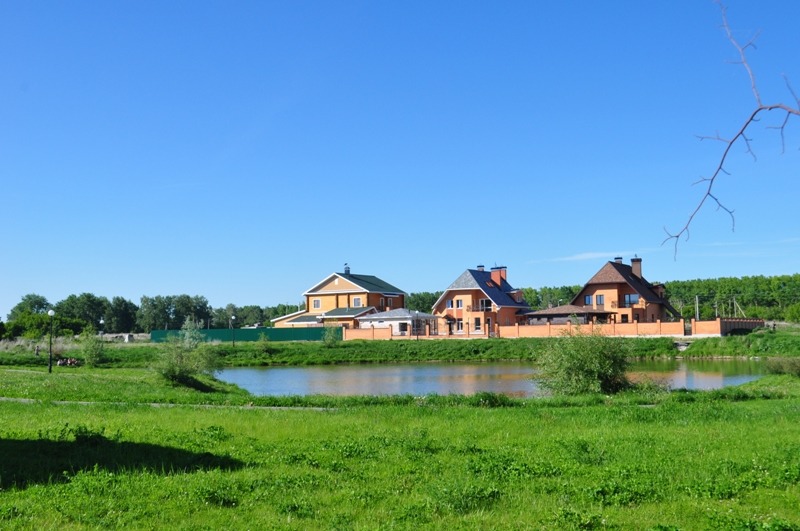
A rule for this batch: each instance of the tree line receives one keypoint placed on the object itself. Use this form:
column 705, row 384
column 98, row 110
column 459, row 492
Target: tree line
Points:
column 770, row 298
column 87, row 312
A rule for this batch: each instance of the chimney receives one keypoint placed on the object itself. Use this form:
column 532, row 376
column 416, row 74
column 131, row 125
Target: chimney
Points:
column 618, row 259
column 480, row 267
column 636, row 266
column 499, row 274
column 346, row 269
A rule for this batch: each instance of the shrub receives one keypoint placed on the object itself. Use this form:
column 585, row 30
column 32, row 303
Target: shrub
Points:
column 580, row 362
column 91, row 349
column 784, row 366
column 332, row 336
column 185, row 356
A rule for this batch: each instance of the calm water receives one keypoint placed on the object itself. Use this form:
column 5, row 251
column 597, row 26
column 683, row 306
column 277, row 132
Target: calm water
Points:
column 510, row 378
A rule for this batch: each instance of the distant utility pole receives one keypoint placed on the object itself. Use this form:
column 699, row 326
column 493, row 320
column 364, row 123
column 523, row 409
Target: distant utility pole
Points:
column 696, row 307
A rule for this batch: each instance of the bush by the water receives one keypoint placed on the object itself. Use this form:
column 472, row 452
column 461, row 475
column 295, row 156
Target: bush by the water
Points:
column 584, row 362
column 185, row 356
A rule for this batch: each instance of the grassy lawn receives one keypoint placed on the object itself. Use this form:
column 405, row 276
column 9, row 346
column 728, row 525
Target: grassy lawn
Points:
column 719, row 460
column 117, row 446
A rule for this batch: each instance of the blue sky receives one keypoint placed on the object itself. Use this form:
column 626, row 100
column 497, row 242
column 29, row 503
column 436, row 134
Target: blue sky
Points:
column 245, row 150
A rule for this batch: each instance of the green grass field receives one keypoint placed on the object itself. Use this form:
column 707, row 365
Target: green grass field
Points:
column 119, row 447
column 722, row 460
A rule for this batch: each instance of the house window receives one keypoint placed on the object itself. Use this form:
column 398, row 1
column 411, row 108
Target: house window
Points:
column 631, row 299
column 449, row 303
column 624, row 318
column 587, row 300
column 459, row 303
column 383, row 302
column 316, row 304
column 389, row 302
column 459, row 325
column 356, row 302
column 477, row 324
column 485, row 305
column 600, row 299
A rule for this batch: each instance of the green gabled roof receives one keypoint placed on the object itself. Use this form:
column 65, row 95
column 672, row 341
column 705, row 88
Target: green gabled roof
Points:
column 371, row 283
column 368, row 283
column 348, row 312
column 307, row 318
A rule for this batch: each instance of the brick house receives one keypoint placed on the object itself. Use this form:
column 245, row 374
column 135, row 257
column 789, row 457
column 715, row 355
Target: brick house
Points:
column 621, row 292
column 341, row 298
column 477, row 301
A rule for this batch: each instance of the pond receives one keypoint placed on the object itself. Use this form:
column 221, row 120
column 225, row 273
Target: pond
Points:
column 509, row 378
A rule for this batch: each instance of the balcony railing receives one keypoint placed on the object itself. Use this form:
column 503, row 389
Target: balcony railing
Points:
column 480, row 308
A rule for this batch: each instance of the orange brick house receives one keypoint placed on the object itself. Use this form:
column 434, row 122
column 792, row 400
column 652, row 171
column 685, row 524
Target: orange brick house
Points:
column 622, row 293
column 477, row 301
column 341, row 298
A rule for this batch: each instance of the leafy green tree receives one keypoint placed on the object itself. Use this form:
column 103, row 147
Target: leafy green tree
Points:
column 185, row 356
column 155, row 313
column 546, row 297
column 220, row 318
column 188, row 307
column 422, row 301
column 583, row 362
column 37, row 325
column 30, row 303
column 249, row 315
column 120, row 316
column 85, row 307
column 793, row 313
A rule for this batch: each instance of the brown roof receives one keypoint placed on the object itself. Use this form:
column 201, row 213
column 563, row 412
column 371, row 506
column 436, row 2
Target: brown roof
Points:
column 618, row 273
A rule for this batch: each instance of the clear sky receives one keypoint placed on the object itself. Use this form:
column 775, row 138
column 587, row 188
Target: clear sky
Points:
column 243, row 151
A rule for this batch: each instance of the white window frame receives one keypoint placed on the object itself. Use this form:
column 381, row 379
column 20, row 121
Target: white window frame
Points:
column 459, row 303
column 356, row 302
column 316, row 304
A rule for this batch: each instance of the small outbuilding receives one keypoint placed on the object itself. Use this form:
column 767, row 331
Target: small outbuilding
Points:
column 402, row 321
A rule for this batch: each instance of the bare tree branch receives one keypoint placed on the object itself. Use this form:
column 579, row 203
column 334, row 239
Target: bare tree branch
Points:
column 740, row 136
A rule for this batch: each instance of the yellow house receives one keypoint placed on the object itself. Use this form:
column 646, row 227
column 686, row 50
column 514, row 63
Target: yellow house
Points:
column 341, row 298
column 479, row 300
column 621, row 291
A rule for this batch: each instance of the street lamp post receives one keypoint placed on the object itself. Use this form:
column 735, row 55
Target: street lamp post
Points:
column 102, row 322
column 233, row 329
column 51, row 313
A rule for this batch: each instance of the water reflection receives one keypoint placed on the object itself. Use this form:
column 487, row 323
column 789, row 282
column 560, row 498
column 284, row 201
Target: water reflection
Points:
column 509, row 378
column 513, row 379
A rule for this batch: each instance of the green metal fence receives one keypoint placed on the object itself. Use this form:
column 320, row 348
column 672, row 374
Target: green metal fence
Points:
column 226, row 335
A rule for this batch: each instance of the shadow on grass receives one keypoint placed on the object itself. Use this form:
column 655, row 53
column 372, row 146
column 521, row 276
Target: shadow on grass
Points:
column 194, row 383
column 25, row 462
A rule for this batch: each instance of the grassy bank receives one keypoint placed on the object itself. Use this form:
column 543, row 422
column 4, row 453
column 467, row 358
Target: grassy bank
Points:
column 259, row 353
column 785, row 342
column 721, row 460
